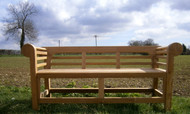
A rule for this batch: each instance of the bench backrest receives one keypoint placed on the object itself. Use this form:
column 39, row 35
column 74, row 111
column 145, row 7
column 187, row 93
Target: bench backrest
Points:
column 104, row 56
column 84, row 57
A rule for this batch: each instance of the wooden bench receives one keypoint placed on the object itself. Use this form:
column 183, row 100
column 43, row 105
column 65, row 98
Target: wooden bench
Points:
column 46, row 63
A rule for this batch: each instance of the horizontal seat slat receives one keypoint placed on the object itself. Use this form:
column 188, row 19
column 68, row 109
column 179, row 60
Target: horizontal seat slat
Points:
column 102, row 73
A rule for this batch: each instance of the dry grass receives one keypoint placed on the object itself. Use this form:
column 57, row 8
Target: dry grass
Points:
column 14, row 71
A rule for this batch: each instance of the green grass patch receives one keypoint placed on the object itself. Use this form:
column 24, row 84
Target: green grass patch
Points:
column 12, row 62
column 15, row 100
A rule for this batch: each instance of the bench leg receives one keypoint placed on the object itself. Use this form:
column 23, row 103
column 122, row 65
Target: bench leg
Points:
column 47, row 85
column 34, row 87
column 35, row 106
column 35, row 103
column 169, row 82
column 168, row 95
column 101, row 87
column 155, row 85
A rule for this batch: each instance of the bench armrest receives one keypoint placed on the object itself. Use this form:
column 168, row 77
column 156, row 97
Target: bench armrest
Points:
column 175, row 49
column 28, row 50
column 170, row 51
column 36, row 55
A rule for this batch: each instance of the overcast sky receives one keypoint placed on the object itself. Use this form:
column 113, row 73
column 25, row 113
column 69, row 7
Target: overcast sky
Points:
column 75, row 22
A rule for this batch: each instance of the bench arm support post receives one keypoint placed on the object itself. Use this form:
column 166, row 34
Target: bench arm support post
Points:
column 173, row 49
column 29, row 50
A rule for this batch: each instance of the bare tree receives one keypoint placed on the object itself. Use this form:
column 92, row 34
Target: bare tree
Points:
column 19, row 24
column 135, row 43
column 148, row 42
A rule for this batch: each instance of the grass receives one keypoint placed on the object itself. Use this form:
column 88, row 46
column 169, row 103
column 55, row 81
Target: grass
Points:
column 18, row 99
column 15, row 93
column 14, row 62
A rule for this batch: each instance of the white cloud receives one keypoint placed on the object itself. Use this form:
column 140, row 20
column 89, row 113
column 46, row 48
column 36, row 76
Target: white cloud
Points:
column 138, row 5
column 75, row 22
column 180, row 4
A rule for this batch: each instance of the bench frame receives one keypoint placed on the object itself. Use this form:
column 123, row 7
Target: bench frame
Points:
column 155, row 53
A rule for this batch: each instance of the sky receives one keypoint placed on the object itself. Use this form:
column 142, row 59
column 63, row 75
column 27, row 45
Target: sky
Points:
column 115, row 22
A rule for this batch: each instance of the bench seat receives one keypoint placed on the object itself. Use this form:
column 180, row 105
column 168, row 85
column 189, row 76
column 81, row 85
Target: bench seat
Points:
column 102, row 73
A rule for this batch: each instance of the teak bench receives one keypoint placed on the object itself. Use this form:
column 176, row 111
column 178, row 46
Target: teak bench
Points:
column 44, row 60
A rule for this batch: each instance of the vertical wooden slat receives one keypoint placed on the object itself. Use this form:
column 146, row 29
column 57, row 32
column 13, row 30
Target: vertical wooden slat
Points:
column 83, row 60
column 154, row 61
column 101, row 87
column 118, row 60
column 154, row 65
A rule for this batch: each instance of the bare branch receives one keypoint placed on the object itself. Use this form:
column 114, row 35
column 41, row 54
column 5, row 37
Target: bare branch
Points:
column 30, row 30
column 19, row 25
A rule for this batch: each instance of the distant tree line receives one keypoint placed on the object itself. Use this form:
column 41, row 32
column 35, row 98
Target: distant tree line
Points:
column 150, row 42
column 186, row 51
column 9, row 52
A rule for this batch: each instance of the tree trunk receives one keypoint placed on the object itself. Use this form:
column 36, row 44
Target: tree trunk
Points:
column 22, row 38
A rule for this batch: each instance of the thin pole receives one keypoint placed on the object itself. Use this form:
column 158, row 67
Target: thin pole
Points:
column 59, row 43
column 96, row 43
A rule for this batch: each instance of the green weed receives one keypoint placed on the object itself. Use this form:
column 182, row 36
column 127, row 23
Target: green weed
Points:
column 18, row 100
